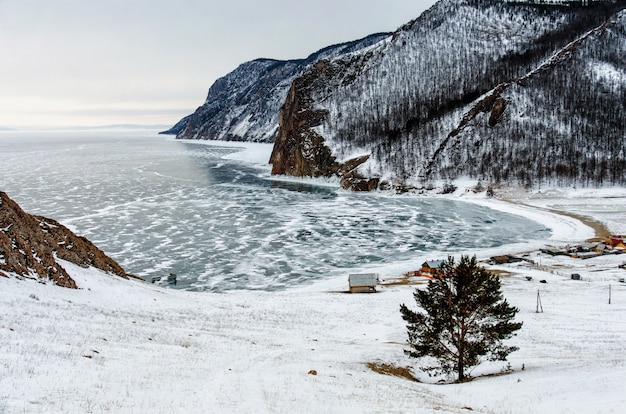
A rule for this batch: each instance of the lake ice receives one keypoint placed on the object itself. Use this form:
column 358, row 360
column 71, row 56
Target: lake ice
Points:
column 161, row 206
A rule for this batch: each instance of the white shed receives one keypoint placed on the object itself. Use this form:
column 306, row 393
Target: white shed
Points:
column 363, row 282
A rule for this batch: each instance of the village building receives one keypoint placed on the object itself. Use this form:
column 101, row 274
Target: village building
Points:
column 363, row 282
column 617, row 242
column 432, row 267
column 504, row 259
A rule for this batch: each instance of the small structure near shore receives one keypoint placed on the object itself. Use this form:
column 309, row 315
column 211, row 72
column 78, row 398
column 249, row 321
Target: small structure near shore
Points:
column 429, row 270
column 505, row 259
column 172, row 279
column 431, row 267
column 611, row 245
column 617, row 241
column 363, row 282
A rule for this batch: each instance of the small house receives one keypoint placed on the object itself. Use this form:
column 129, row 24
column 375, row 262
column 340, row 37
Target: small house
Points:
column 505, row 259
column 363, row 282
column 616, row 240
column 586, row 255
column 554, row 251
column 432, row 266
column 601, row 248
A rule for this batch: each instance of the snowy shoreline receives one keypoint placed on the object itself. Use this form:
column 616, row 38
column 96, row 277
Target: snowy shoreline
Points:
column 126, row 346
column 122, row 346
column 532, row 205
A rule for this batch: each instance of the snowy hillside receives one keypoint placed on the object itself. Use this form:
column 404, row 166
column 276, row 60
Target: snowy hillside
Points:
column 118, row 345
column 244, row 105
column 508, row 93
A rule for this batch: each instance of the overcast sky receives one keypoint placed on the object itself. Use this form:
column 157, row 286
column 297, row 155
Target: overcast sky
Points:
column 102, row 62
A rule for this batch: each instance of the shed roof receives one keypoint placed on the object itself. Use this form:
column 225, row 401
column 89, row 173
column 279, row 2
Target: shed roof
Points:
column 432, row 264
column 363, row 279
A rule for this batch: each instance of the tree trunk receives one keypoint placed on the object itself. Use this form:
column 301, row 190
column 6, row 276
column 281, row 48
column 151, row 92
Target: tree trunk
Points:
column 460, row 366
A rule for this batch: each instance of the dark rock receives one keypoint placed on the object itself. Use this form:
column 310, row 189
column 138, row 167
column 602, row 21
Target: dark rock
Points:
column 30, row 245
column 298, row 150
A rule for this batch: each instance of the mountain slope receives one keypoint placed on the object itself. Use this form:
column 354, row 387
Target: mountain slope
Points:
column 503, row 92
column 244, row 105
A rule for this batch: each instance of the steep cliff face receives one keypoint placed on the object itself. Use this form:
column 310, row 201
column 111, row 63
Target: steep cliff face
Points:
column 298, row 149
column 244, row 105
column 30, row 246
column 505, row 92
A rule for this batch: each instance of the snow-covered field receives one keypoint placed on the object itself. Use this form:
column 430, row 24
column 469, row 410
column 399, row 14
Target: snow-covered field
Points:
column 132, row 347
column 127, row 346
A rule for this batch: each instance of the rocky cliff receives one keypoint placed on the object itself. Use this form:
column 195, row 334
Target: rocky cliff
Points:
column 244, row 105
column 299, row 150
column 30, row 246
column 505, row 92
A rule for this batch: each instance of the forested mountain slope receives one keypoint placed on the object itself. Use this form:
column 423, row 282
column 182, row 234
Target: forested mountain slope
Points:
column 504, row 92
column 244, row 105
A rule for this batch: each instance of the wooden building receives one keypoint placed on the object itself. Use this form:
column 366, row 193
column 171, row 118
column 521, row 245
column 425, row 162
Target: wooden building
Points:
column 432, row 267
column 363, row 282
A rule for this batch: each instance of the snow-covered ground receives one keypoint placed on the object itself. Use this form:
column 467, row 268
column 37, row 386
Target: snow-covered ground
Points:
column 606, row 205
column 127, row 346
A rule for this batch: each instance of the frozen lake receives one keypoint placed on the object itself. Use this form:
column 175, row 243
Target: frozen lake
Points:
column 157, row 206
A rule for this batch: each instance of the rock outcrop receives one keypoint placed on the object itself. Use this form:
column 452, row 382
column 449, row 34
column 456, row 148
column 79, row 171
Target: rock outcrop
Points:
column 298, row 149
column 512, row 93
column 30, row 246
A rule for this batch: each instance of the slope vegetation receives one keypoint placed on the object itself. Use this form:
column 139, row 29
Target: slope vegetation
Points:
column 244, row 105
column 503, row 92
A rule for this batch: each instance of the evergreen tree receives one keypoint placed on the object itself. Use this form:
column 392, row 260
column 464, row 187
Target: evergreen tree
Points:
column 464, row 320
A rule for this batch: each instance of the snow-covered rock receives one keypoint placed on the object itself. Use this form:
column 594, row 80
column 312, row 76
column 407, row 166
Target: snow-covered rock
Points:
column 31, row 246
column 244, row 104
